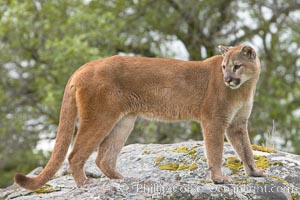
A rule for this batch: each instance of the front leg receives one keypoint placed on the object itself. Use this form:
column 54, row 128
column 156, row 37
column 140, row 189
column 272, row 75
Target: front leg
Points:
column 237, row 134
column 213, row 133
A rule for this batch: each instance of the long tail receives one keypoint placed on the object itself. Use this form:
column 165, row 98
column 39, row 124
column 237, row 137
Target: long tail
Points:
column 64, row 136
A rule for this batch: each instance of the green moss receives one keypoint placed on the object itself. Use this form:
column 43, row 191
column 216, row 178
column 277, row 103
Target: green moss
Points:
column 263, row 149
column 47, row 189
column 204, row 159
column 279, row 179
column 169, row 166
column 159, row 159
column 234, row 164
column 261, row 162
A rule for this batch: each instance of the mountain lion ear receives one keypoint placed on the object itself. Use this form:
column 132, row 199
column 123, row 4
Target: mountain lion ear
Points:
column 223, row 49
column 249, row 52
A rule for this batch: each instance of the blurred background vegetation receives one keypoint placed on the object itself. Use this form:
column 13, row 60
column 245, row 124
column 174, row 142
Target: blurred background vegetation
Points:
column 43, row 42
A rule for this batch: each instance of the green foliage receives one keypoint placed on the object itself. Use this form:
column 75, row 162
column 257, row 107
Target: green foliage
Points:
column 43, row 42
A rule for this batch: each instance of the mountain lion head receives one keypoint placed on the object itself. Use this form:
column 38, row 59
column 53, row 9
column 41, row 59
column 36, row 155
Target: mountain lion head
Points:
column 239, row 65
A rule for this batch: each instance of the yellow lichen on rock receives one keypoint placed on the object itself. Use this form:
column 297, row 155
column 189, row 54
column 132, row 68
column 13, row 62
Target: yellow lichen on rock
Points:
column 294, row 196
column 180, row 150
column 263, row 149
column 150, row 152
column 169, row 166
column 276, row 163
column 194, row 157
column 175, row 166
column 192, row 151
column 206, row 181
column 193, row 166
column 279, row 179
column 242, row 182
column 159, row 159
column 47, row 188
column 234, row 164
column 182, row 167
column 261, row 162
column 262, row 182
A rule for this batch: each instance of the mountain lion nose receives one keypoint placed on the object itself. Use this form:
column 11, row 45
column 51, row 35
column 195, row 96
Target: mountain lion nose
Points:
column 228, row 79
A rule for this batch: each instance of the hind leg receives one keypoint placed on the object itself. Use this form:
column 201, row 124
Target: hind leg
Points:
column 91, row 133
column 110, row 148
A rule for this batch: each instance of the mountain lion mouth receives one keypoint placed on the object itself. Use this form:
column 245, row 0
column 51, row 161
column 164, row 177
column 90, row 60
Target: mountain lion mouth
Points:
column 234, row 84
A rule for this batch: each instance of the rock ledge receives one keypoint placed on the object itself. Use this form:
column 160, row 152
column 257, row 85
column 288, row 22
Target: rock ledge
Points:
column 174, row 171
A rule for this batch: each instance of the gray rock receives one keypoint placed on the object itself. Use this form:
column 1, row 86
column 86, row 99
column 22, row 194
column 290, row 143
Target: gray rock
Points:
column 171, row 171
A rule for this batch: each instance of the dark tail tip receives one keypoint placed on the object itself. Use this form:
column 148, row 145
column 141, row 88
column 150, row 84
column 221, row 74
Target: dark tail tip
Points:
column 20, row 178
column 25, row 182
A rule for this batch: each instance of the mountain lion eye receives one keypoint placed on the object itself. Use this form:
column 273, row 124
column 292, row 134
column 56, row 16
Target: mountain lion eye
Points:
column 236, row 67
column 223, row 66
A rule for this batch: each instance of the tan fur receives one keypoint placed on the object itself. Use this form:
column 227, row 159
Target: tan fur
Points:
column 110, row 93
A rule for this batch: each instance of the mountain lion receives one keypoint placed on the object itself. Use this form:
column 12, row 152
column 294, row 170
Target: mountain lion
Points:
column 108, row 94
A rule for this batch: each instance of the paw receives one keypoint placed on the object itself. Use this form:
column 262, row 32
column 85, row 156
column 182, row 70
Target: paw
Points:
column 81, row 183
column 89, row 181
column 221, row 180
column 257, row 173
column 113, row 174
column 116, row 175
